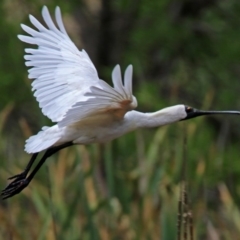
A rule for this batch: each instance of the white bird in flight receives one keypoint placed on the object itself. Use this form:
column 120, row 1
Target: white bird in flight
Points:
column 85, row 109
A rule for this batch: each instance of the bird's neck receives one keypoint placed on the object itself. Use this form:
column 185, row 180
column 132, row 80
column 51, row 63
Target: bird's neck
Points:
column 147, row 120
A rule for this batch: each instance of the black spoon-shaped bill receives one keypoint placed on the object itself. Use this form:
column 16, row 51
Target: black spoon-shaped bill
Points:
column 193, row 112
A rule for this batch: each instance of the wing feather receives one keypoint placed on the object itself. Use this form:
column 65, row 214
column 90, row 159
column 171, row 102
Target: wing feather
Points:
column 66, row 83
column 128, row 79
column 59, row 21
column 37, row 24
column 48, row 20
column 117, row 80
column 104, row 100
column 62, row 73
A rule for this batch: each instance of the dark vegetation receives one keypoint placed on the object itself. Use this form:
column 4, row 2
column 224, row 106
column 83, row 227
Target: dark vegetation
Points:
column 182, row 52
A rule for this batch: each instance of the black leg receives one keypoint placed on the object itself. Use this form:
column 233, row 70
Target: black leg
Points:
column 23, row 174
column 47, row 154
column 21, row 181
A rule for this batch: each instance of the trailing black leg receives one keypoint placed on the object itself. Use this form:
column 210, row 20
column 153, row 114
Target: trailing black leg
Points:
column 21, row 180
column 23, row 174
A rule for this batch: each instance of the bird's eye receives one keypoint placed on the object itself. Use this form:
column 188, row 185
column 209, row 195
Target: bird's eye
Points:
column 188, row 109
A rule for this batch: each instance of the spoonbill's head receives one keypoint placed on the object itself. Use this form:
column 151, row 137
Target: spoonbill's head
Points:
column 178, row 112
column 193, row 112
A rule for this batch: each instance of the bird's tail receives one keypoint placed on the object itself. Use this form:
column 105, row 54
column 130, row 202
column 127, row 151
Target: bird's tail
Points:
column 47, row 137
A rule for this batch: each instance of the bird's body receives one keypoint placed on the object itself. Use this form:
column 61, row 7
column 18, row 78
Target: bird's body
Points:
column 85, row 108
column 101, row 128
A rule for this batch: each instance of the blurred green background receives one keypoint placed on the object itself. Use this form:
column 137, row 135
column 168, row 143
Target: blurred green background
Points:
column 182, row 52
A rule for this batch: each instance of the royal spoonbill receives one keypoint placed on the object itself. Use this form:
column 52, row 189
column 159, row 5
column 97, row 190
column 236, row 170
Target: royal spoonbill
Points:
column 85, row 109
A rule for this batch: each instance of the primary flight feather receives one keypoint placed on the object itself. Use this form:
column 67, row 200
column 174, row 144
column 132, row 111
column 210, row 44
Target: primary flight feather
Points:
column 85, row 108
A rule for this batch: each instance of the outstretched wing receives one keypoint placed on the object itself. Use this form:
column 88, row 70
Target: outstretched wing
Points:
column 103, row 99
column 62, row 73
column 66, row 82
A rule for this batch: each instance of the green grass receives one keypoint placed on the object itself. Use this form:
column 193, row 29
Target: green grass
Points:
column 126, row 189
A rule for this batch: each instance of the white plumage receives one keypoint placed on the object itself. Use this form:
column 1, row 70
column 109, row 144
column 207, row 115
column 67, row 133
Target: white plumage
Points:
column 85, row 108
column 43, row 140
column 66, row 83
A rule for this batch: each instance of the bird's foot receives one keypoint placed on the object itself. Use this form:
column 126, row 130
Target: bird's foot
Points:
column 19, row 176
column 15, row 186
